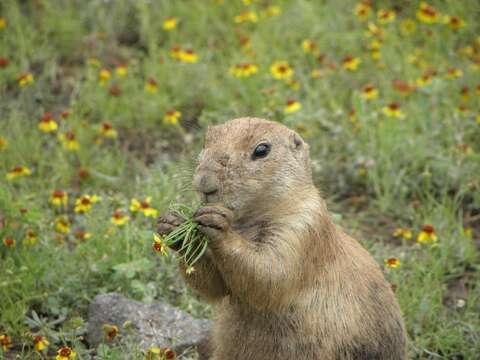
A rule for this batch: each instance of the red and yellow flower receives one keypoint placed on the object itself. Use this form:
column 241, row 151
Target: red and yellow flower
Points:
column 403, row 232
column 170, row 23
column 18, row 171
column 369, row 92
column 3, row 23
column 3, row 143
column 247, row 16
column 309, row 46
column 69, row 141
column 65, row 353
column 30, row 238
column 427, row 13
column 453, row 73
column 62, row 224
column 40, row 342
column 188, row 56
column 119, row 218
column 143, row 207
column 121, row 70
column 47, row 123
column 85, row 202
column 281, row 70
column 392, row 263
column 385, row 16
column 5, row 342
column 172, row 116
column 110, row 332
column 243, row 70
column 427, row 235
column 350, row 63
column 158, row 245
column 106, row 130
column 292, row 106
column 9, row 242
column 362, row 10
column 25, row 79
column 104, row 75
column 82, row 235
column 393, row 110
column 403, row 87
column 454, row 22
column 151, row 86
column 59, row 198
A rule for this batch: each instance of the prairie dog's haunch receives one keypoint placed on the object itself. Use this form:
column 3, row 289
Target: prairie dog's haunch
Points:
column 287, row 282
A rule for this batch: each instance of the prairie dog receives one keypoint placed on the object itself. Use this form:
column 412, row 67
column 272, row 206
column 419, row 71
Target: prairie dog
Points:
column 287, row 283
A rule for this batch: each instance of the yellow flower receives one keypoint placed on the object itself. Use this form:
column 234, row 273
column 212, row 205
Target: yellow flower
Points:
column 158, row 245
column 62, row 224
column 427, row 235
column 69, row 141
column 65, row 353
column 294, row 84
column 82, row 235
column 393, row 110
column 119, row 219
column 453, row 73
column 425, row 79
column 392, row 263
column 272, row 10
column 104, row 76
column 175, row 52
column 3, row 143
column 59, row 198
column 172, row 116
column 478, row 119
column 143, row 207
column 3, row 23
column 107, row 130
column 47, row 123
column 408, row 27
column 188, row 56
column 402, row 232
column 350, row 63
column 9, row 242
column 25, row 79
column 427, row 13
column 170, row 23
column 362, row 10
column 385, row 16
column 369, row 92
column 308, row 46
column 5, row 342
column 292, row 106
column 454, row 22
column 84, row 203
column 281, row 70
column 243, row 70
column 374, row 30
column 110, row 332
column 121, row 70
column 40, row 342
column 153, row 354
column 30, row 238
column 18, row 171
column 151, row 86
column 247, row 16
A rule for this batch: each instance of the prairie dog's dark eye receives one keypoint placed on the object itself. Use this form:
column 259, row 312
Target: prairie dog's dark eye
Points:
column 261, row 151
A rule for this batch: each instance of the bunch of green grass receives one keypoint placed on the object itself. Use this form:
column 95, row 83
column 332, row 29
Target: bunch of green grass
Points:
column 191, row 243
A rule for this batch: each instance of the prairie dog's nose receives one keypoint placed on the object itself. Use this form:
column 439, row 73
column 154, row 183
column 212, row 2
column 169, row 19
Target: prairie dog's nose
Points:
column 206, row 183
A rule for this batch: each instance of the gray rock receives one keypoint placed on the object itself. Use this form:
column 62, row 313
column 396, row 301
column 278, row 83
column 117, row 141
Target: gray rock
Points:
column 151, row 325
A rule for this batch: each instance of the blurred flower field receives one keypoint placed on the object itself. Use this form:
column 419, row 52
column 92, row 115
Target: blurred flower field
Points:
column 102, row 110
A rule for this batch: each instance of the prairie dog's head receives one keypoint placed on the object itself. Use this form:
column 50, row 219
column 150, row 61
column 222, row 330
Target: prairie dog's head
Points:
column 252, row 164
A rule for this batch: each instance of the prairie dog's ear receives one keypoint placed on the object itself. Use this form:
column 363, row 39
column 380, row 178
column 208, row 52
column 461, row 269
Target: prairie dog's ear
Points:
column 296, row 142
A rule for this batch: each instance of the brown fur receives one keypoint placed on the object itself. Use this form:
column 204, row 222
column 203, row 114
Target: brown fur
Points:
column 287, row 282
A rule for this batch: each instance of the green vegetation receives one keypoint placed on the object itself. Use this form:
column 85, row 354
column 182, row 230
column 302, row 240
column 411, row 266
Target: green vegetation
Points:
column 105, row 102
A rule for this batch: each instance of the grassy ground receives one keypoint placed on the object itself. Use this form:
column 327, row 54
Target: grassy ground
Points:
column 105, row 78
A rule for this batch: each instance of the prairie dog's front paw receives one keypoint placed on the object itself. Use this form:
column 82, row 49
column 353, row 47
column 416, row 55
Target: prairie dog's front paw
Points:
column 214, row 221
